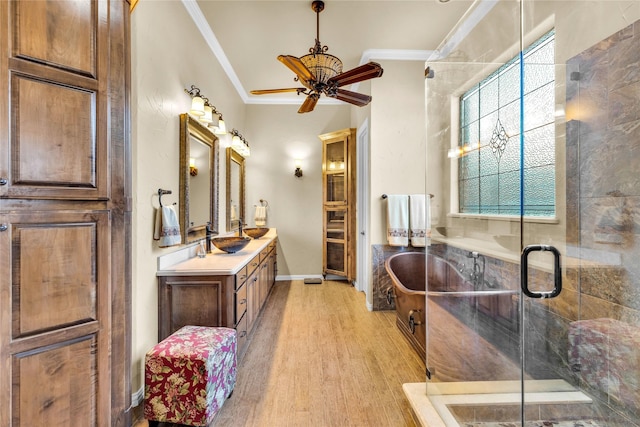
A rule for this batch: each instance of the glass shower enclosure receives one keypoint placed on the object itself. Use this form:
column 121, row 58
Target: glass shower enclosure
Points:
column 533, row 155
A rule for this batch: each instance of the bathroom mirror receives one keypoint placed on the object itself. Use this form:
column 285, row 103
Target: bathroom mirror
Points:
column 235, row 190
column 198, row 179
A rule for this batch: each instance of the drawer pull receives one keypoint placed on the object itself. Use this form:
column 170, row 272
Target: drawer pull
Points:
column 243, row 334
column 3, row 181
column 4, row 227
column 243, row 301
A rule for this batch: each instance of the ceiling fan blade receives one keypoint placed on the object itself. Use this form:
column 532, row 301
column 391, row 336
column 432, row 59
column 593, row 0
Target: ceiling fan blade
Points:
column 270, row 91
column 295, row 65
column 354, row 98
column 358, row 74
column 309, row 103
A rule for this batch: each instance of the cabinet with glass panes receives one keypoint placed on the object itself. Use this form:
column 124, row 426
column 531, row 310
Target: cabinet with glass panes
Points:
column 339, row 201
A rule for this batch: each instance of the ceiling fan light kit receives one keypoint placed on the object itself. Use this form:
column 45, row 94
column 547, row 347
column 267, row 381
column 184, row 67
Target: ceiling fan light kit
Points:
column 321, row 73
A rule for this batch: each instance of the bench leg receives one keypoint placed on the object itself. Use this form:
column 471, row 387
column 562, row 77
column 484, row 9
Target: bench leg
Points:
column 154, row 423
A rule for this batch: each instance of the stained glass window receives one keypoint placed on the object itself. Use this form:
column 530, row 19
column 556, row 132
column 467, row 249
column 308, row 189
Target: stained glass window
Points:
column 491, row 143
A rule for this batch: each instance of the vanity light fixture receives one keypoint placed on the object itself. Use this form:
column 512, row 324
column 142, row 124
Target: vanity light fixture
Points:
column 193, row 170
column 298, row 171
column 205, row 112
column 239, row 144
column 197, row 103
column 221, row 128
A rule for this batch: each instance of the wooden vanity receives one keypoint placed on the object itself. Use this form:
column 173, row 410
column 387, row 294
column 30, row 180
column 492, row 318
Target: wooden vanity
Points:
column 218, row 290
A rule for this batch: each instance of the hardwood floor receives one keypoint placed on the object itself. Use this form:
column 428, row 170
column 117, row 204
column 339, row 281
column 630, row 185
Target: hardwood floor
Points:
column 319, row 358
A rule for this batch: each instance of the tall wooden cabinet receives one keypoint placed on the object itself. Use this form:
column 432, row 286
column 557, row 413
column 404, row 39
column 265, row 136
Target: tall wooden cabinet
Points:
column 339, row 203
column 64, row 213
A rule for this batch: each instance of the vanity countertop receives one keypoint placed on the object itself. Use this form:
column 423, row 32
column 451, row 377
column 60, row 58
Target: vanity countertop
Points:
column 219, row 262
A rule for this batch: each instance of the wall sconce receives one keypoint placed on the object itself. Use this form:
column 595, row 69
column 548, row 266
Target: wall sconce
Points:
column 298, row 171
column 205, row 112
column 239, row 144
column 193, row 170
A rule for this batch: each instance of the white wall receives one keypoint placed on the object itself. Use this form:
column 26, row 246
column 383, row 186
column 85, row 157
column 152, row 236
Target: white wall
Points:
column 397, row 138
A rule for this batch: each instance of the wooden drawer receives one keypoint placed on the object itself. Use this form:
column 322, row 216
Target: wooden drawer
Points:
column 241, row 277
column 241, row 330
column 264, row 253
column 241, row 302
column 252, row 265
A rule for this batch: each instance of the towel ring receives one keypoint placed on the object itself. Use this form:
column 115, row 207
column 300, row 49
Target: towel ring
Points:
column 162, row 192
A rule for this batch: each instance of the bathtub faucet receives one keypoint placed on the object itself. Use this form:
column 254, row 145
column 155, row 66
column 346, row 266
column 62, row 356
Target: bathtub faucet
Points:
column 477, row 275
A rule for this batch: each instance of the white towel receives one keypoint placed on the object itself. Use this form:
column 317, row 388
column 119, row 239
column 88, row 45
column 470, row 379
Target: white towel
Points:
column 261, row 216
column 419, row 220
column 398, row 220
column 167, row 228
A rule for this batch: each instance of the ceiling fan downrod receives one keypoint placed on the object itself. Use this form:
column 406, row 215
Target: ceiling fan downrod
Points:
column 318, row 6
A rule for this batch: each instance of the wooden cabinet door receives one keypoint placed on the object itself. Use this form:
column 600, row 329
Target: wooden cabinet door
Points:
column 194, row 300
column 65, row 213
column 55, row 326
column 253, row 306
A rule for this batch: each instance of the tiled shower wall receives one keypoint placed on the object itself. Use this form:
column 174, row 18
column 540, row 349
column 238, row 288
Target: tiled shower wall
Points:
column 603, row 212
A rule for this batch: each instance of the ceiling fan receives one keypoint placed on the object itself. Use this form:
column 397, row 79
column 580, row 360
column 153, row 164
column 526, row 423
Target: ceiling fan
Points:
column 321, row 73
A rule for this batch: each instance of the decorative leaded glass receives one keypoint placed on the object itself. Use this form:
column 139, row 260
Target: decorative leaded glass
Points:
column 496, row 140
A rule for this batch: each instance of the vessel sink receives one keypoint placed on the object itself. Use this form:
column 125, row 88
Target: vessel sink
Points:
column 230, row 244
column 255, row 233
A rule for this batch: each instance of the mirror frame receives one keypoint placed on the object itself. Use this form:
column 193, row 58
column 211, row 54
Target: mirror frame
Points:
column 233, row 156
column 191, row 127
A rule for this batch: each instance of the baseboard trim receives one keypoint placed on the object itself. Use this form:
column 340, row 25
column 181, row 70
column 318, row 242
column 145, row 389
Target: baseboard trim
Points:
column 298, row 277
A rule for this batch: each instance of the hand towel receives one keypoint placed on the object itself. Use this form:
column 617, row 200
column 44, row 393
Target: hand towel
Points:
column 419, row 224
column 167, row 228
column 261, row 216
column 398, row 220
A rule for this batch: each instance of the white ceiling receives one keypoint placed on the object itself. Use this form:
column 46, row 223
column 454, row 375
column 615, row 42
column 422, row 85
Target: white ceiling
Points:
column 247, row 36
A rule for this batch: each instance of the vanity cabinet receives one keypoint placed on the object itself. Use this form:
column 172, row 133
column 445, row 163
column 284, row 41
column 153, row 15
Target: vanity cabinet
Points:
column 339, row 203
column 232, row 300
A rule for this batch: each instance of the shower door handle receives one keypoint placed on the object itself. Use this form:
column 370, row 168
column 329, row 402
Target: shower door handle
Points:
column 557, row 273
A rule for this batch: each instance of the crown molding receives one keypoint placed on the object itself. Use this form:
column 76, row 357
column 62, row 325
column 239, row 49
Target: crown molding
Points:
column 201, row 23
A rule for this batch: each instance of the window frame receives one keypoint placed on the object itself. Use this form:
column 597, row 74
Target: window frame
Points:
column 457, row 132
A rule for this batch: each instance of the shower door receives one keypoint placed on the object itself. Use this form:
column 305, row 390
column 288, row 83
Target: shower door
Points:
column 533, row 135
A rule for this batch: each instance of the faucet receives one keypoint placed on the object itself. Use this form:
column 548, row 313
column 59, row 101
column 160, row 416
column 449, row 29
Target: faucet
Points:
column 209, row 233
column 477, row 275
column 240, row 227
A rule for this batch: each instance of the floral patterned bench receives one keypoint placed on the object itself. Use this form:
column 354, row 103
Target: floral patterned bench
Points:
column 189, row 375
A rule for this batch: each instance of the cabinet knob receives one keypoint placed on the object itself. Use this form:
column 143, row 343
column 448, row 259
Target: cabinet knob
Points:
column 4, row 227
column 3, row 181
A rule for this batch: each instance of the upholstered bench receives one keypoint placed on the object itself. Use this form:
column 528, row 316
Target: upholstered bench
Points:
column 189, row 375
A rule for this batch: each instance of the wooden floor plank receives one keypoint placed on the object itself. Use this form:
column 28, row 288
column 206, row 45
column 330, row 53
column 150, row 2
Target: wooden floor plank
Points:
column 319, row 358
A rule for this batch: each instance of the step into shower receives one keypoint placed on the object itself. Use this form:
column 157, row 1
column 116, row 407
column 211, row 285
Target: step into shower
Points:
column 457, row 404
